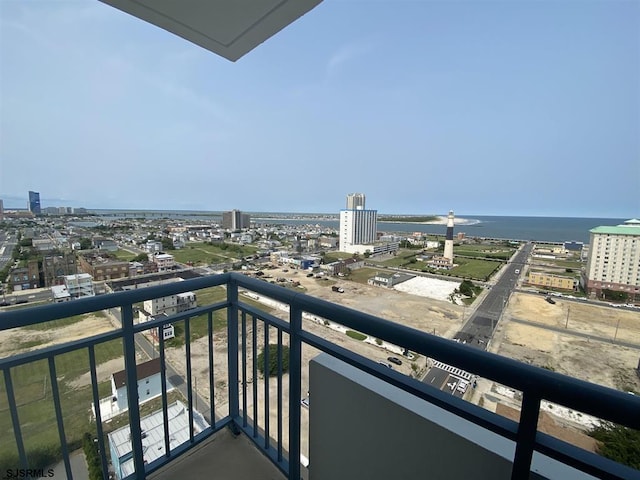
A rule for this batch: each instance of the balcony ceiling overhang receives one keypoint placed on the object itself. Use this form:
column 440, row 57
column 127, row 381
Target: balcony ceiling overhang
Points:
column 226, row 27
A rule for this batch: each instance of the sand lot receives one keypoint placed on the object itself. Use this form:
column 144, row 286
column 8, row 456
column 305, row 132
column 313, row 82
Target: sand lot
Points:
column 23, row 340
column 596, row 360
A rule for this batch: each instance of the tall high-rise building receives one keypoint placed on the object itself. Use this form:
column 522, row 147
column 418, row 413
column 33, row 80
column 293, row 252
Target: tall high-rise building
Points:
column 358, row 227
column 355, row 201
column 235, row 220
column 34, row 202
column 1, row 210
column 614, row 260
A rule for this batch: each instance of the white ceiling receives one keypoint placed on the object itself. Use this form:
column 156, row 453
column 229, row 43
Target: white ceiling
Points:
column 230, row 28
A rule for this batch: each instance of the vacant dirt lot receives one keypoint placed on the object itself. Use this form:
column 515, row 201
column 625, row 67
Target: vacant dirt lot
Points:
column 569, row 351
column 23, row 340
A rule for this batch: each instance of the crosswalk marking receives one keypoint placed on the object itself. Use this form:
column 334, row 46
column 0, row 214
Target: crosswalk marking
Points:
column 452, row 370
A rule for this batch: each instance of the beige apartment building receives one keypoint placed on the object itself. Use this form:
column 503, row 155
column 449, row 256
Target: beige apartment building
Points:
column 541, row 279
column 614, row 260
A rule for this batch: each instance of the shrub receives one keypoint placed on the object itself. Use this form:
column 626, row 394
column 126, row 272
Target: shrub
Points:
column 618, row 443
column 273, row 360
column 90, row 448
column 356, row 335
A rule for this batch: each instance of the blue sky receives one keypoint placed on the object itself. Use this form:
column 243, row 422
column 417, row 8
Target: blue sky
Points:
column 495, row 108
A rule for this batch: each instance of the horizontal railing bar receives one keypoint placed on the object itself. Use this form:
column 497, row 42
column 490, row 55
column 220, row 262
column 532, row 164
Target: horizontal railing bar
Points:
column 265, row 317
column 571, row 392
column 186, row 446
column 194, row 312
column 484, row 418
column 54, row 311
column 584, row 460
column 257, row 437
column 596, row 400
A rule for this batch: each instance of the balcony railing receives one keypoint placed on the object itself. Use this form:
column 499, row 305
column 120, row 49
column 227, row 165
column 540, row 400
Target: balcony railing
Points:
column 249, row 410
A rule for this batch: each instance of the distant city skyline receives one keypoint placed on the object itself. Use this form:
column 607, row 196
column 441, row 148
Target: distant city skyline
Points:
column 425, row 106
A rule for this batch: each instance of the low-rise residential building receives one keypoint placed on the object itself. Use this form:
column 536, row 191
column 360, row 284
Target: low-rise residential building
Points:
column 152, row 246
column 171, row 304
column 79, row 285
column 59, row 293
column 541, row 279
column 163, row 260
column 376, row 248
column 573, row 246
column 25, row 278
column 388, row 279
column 102, row 267
column 149, row 386
column 55, row 267
column 106, row 244
column 153, row 443
column 440, row 262
column 43, row 244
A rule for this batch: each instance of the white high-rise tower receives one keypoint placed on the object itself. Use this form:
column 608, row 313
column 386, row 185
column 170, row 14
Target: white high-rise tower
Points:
column 358, row 227
column 355, row 201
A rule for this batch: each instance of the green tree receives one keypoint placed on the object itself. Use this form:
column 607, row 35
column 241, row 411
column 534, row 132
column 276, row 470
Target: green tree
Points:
column 614, row 295
column 85, row 243
column 273, row 360
column 466, row 288
column 167, row 244
column 618, row 443
column 143, row 257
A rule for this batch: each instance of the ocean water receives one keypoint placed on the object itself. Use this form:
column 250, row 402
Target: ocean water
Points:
column 549, row 229
column 545, row 229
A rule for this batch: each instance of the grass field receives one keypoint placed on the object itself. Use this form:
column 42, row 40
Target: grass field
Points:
column 476, row 269
column 200, row 252
column 331, row 257
column 32, row 389
column 401, row 259
column 484, row 251
column 361, row 275
column 124, row 255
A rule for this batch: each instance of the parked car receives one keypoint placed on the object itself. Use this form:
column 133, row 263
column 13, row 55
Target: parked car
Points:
column 386, row 364
column 395, row 360
column 462, row 387
column 550, row 300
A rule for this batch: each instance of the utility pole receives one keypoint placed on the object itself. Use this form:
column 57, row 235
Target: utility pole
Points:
column 616, row 334
column 566, row 325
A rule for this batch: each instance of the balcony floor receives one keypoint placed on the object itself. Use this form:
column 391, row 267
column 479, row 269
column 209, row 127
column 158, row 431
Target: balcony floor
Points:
column 224, row 457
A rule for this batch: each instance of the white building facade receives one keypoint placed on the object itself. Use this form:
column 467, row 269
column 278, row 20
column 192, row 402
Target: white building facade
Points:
column 614, row 260
column 79, row 285
column 357, row 227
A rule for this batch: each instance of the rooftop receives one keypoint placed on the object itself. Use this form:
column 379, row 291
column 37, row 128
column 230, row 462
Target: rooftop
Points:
column 143, row 370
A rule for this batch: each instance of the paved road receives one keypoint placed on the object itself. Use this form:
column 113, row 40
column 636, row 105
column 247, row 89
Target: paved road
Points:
column 6, row 249
column 478, row 330
column 176, row 379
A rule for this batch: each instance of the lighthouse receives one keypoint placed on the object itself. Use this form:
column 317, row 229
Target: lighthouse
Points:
column 448, row 242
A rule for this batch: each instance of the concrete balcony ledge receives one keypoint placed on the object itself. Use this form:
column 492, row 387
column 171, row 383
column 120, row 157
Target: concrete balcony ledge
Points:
column 225, row 457
column 363, row 427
